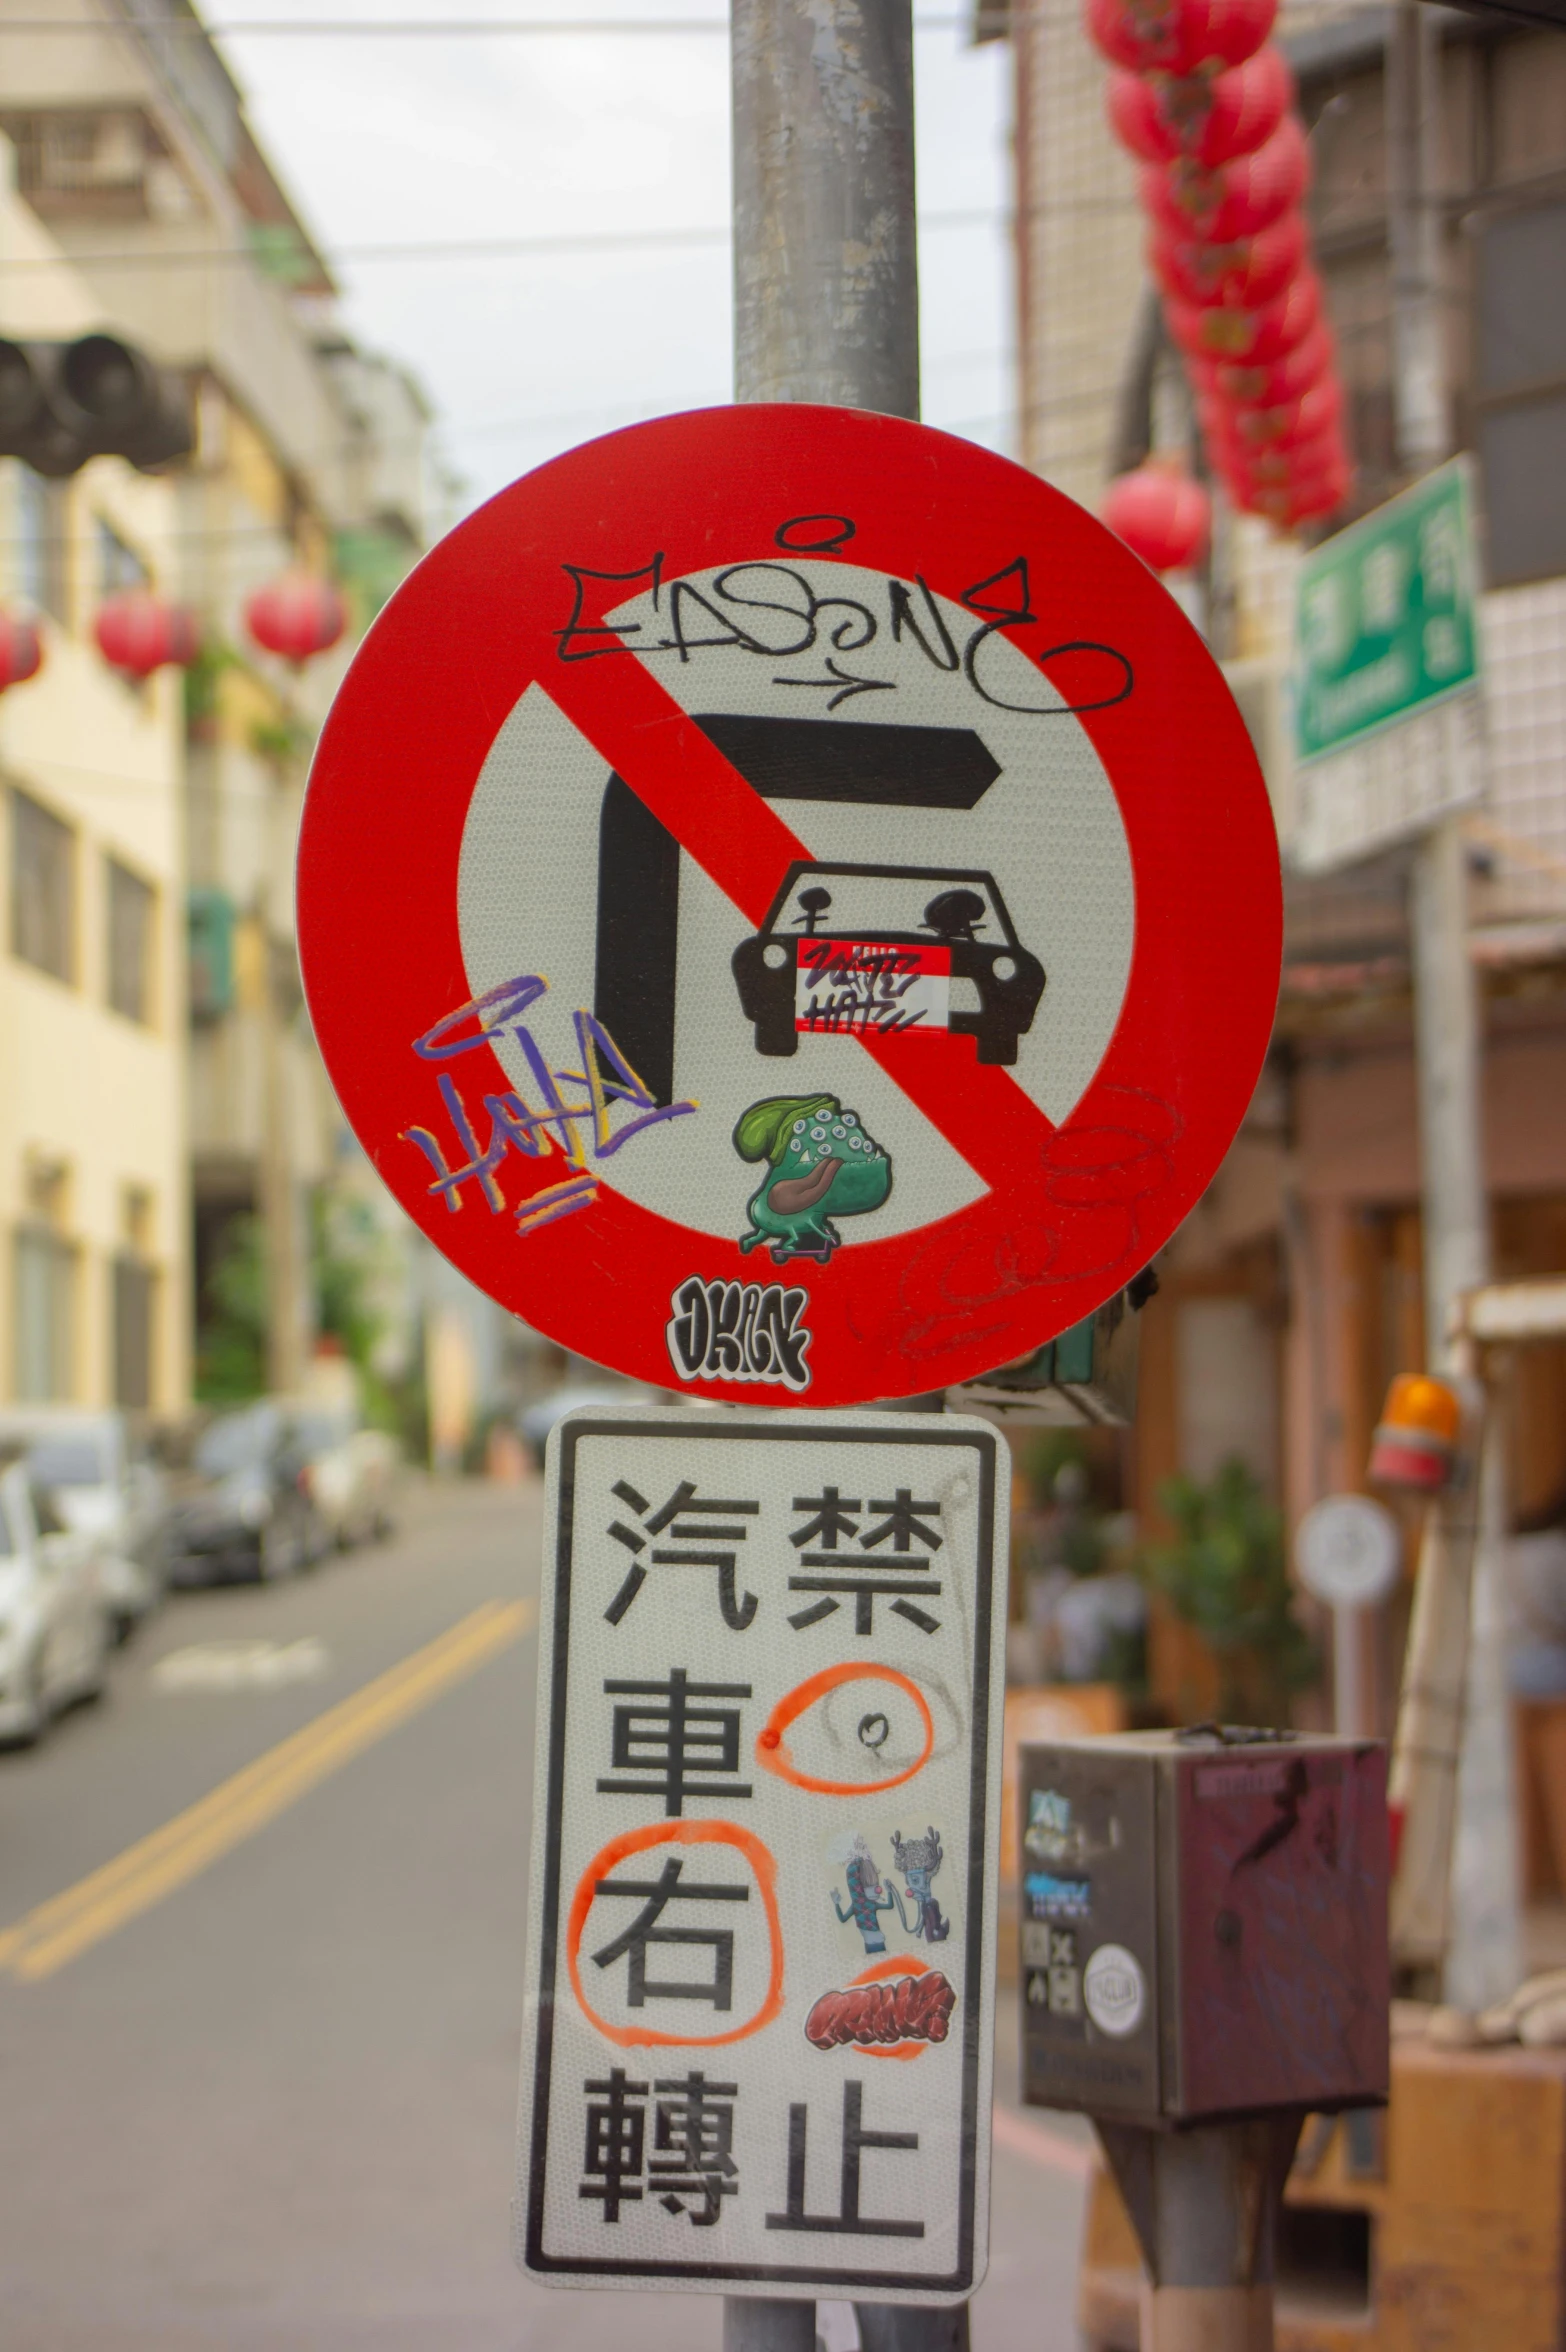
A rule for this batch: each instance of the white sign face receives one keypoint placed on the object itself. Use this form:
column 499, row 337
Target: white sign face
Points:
column 1348, row 1550
column 761, row 1959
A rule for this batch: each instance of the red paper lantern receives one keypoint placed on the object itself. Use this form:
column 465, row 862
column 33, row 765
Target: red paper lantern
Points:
column 1210, row 117
column 21, row 652
column 1176, row 36
column 1244, row 275
column 1292, row 423
column 296, row 616
column 1292, row 476
column 1161, row 515
column 1237, row 199
column 1280, row 380
column 138, row 633
column 1268, row 463
column 1251, row 336
column 1302, row 502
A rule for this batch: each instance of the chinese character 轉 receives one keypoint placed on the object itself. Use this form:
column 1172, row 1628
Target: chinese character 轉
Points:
column 692, row 2145
column 632, row 1941
column 616, row 2142
column 683, row 1515
column 901, row 1579
column 658, row 1731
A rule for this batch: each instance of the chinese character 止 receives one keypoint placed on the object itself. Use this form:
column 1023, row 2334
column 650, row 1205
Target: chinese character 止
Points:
column 682, row 1515
column 632, row 1941
column 902, row 1579
column 692, row 2145
column 847, row 2220
column 661, row 1733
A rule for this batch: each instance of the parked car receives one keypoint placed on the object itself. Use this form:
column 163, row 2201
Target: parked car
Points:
column 866, row 950
column 604, row 1396
column 103, row 1485
column 351, row 1474
column 55, row 1630
column 247, row 1512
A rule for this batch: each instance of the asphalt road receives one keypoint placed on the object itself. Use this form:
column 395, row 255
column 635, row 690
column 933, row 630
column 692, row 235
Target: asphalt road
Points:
column 258, row 2066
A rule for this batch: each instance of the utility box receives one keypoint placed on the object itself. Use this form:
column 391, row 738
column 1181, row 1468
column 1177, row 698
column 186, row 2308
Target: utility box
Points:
column 1203, row 1924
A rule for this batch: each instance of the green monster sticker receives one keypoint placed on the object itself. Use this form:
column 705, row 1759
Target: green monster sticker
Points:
column 820, row 1158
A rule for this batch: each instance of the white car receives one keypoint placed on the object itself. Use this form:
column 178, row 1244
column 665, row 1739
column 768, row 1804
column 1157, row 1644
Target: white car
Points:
column 351, row 1474
column 101, row 1486
column 55, row 1630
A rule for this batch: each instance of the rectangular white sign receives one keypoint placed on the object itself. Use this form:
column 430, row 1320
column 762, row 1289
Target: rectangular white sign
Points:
column 761, row 1936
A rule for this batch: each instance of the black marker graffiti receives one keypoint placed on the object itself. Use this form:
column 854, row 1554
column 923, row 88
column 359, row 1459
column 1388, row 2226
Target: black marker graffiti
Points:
column 739, row 1331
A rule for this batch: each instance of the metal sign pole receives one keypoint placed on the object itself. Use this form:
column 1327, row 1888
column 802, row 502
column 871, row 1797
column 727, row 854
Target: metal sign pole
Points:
column 826, row 308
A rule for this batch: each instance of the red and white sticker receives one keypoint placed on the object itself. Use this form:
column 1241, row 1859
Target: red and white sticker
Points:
column 789, row 905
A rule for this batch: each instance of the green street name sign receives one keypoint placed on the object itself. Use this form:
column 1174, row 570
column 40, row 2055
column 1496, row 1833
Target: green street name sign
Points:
column 1386, row 616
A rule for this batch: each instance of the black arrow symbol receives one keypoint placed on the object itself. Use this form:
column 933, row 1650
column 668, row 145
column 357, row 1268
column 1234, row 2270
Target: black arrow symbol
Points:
column 846, row 683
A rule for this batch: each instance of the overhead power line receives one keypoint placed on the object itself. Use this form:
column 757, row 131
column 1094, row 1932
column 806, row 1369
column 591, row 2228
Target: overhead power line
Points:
column 273, row 260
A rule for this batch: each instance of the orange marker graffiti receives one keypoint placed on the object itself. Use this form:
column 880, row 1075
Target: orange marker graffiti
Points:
column 772, row 1751
column 678, row 1833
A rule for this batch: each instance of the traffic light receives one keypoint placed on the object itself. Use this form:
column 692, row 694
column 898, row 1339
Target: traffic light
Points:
column 62, row 403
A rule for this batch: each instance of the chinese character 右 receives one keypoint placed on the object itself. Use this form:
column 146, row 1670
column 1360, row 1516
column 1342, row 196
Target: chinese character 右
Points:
column 681, row 1743
column 632, row 1942
column 683, row 1515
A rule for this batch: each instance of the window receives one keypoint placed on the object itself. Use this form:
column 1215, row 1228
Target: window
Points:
column 43, row 888
column 41, row 516
column 131, row 909
column 135, row 1288
column 44, row 1294
column 119, row 566
column 1521, row 391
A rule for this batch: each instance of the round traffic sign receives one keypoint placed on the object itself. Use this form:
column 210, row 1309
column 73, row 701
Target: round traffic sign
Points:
column 789, row 905
column 1348, row 1551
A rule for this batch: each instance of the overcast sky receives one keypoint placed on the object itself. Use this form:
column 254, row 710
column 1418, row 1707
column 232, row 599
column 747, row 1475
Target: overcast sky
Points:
column 381, row 140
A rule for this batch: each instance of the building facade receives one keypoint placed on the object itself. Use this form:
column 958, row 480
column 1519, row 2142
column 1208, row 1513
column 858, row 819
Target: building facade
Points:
column 94, row 1180
column 135, row 155
column 1294, row 1292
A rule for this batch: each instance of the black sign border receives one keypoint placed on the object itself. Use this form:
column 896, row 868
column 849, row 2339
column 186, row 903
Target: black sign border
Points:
column 961, row 2281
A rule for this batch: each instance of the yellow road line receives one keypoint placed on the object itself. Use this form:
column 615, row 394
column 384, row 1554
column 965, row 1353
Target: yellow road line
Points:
column 157, row 1865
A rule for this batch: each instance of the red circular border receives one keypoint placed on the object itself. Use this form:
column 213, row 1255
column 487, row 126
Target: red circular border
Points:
column 474, row 626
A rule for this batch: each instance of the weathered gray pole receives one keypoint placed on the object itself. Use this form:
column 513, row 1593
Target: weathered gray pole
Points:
column 1475, row 1821
column 826, row 307
column 826, row 279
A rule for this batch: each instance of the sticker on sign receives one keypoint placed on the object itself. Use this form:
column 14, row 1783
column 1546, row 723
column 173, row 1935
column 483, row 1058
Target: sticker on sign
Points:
column 790, row 840
column 757, row 2048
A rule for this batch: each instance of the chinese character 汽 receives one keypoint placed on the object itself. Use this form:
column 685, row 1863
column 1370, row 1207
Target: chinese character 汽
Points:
column 700, row 1536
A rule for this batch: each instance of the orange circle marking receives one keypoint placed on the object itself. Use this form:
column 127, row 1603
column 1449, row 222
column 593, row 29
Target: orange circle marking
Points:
column 895, row 1964
column 772, row 1749
column 678, row 1833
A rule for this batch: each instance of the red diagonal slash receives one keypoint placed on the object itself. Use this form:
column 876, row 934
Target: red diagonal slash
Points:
column 745, row 848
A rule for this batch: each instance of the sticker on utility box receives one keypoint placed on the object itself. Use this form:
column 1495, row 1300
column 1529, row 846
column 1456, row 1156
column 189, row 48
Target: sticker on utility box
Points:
column 756, row 2057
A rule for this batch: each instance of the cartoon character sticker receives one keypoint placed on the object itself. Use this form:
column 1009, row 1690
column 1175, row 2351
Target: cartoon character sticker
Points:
column 919, row 1859
column 818, row 1158
column 872, row 1898
column 868, row 1897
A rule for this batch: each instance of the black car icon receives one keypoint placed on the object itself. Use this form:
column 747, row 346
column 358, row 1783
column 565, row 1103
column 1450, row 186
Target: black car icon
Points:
column 859, row 950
